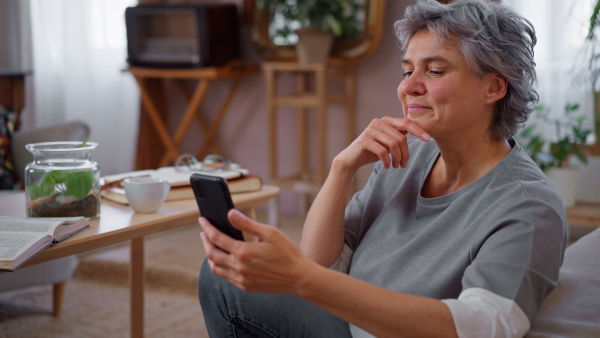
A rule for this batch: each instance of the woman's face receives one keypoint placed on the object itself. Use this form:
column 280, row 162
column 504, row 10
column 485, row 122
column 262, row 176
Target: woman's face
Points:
column 440, row 93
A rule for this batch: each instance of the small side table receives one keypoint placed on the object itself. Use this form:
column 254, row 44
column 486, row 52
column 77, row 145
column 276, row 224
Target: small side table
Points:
column 153, row 133
column 306, row 181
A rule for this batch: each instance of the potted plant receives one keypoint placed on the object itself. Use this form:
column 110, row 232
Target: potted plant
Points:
column 313, row 24
column 553, row 157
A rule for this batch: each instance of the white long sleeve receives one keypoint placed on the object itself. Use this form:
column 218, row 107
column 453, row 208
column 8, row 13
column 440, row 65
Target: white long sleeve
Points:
column 480, row 313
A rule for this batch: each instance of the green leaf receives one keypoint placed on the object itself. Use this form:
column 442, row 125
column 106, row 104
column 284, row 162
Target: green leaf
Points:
column 83, row 143
column 571, row 107
column 593, row 21
column 41, row 188
column 80, row 183
column 60, row 176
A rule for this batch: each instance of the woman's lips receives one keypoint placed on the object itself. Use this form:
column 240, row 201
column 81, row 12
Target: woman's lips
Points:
column 416, row 108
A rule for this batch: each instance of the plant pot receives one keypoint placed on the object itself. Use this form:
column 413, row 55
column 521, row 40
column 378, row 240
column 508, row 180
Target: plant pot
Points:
column 314, row 45
column 566, row 181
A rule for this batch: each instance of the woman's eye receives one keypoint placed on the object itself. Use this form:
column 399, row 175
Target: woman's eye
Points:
column 436, row 72
column 407, row 74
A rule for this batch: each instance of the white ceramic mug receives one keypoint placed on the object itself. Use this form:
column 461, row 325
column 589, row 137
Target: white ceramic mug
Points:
column 146, row 194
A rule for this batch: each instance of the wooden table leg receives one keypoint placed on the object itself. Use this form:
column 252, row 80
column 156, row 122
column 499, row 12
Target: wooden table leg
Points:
column 204, row 128
column 190, row 112
column 270, row 83
column 212, row 133
column 188, row 98
column 302, row 129
column 154, row 116
column 136, row 285
column 321, row 89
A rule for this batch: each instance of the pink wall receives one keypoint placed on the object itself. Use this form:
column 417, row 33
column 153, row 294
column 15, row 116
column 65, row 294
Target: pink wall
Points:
column 243, row 136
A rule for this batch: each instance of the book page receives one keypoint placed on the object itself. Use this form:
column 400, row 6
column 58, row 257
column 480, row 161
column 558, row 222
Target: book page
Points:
column 30, row 224
column 14, row 244
column 69, row 229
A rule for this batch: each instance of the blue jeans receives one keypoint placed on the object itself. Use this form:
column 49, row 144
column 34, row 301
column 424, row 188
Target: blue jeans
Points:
column 231, row 312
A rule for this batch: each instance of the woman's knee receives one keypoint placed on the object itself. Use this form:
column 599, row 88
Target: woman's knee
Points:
column 210, row 287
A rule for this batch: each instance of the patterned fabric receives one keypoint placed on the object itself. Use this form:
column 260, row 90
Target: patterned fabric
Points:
column 8, row 176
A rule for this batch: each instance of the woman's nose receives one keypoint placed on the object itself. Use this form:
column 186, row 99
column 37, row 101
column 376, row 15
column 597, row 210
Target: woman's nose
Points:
column 412, row 85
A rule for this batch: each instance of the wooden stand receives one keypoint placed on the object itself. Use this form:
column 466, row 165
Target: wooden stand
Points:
column 306, row 181
column 156, row 147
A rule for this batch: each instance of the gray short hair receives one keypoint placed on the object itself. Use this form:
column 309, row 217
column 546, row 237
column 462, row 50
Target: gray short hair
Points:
column 493, row 38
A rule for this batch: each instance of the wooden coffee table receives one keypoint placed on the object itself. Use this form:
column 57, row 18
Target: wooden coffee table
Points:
column 119, row 223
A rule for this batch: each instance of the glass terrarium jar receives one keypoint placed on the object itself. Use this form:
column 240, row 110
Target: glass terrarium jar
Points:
column 62, row 180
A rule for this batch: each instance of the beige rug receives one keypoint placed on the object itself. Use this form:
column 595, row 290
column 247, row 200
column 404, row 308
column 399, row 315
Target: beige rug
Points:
column 93, row 309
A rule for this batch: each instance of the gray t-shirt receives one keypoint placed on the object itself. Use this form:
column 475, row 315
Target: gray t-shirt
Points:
column 505, row 233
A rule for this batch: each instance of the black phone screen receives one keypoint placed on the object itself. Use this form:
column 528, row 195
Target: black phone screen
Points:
column 214, row 201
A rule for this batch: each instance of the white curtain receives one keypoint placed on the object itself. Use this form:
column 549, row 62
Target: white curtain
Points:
column 561, row 27
column 79, row 50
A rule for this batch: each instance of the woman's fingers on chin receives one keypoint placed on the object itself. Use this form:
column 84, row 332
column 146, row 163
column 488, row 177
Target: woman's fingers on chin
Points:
column 408, row 126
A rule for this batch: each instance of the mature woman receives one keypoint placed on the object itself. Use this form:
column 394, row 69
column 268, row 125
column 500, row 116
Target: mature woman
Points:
column 456, row 233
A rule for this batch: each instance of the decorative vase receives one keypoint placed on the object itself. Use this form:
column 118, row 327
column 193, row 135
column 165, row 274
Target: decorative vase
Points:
column 314, row 45
column 62, row 180
column 566, row 181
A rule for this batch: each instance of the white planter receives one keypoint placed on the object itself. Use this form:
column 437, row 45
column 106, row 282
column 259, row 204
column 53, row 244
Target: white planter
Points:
column 565, row 180
column 314, row 46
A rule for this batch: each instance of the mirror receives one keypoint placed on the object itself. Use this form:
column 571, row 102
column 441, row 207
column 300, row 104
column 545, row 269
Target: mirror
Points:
column 349, row 51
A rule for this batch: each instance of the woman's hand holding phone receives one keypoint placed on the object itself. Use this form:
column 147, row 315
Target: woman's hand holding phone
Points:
column 273, row 263
column 214, row 201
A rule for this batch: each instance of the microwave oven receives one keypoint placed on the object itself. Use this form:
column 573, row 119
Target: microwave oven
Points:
column 182, row 36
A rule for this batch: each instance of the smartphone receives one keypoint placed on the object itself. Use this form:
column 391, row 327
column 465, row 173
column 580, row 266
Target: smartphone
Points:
column 214, row 201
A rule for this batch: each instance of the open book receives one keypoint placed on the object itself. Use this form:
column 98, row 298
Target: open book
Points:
column 238, row 181
column 24, row 237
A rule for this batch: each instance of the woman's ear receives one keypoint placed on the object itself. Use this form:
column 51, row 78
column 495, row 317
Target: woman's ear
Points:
column 497, row 87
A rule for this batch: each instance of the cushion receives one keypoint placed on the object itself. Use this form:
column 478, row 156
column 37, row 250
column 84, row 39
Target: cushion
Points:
column 573, row 308
column 8, row 177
